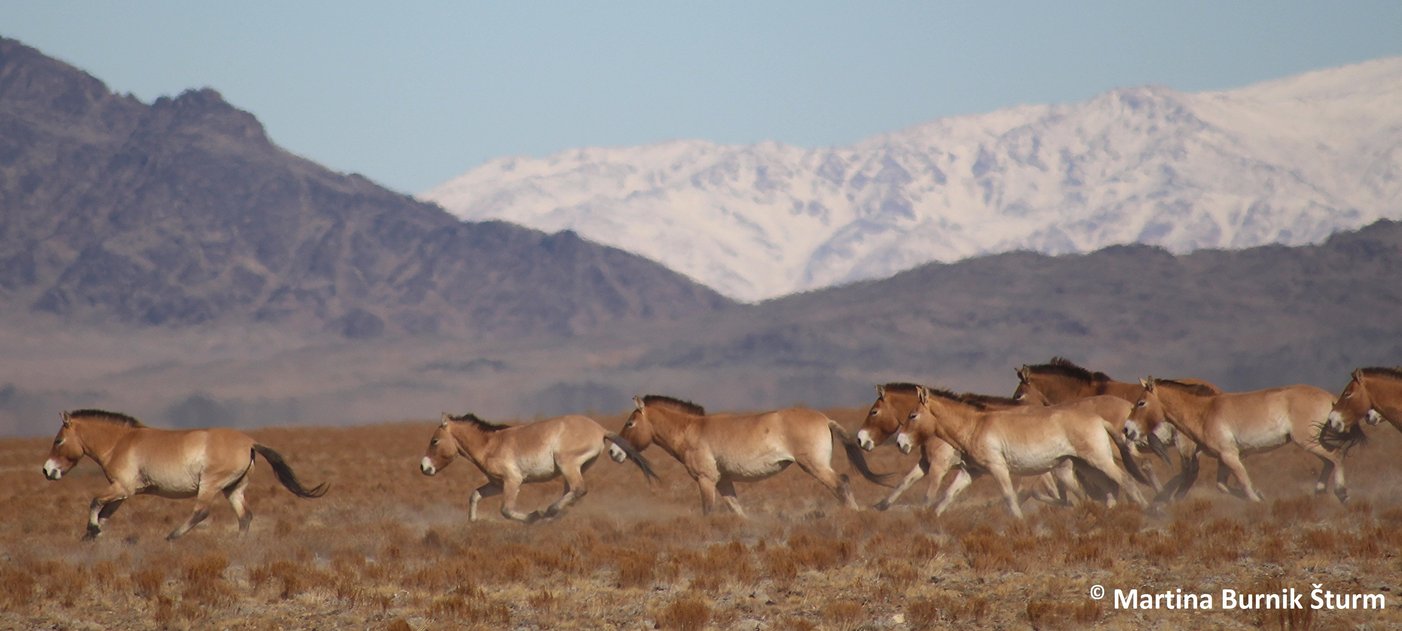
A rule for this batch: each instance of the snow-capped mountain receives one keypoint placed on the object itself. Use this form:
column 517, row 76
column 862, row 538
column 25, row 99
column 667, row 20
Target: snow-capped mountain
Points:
column 1289, row 161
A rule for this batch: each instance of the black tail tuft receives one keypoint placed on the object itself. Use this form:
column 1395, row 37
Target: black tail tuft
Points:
column 858, row 458
column 634, row 455
column 285, row 475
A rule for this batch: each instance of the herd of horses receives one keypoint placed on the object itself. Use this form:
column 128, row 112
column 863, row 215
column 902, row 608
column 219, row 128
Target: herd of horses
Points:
column 1071, row 434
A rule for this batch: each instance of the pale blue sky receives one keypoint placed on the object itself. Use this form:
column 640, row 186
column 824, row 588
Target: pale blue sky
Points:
column 413, row 94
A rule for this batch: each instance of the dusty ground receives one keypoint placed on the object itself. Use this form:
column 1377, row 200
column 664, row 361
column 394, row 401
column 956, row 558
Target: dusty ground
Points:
column 388, row 548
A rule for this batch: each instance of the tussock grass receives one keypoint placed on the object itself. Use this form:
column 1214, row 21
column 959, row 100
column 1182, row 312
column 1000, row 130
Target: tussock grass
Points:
column 389, row 548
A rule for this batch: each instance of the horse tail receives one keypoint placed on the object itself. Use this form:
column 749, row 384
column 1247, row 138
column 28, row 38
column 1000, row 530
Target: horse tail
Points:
column 857, row 456
column 633, row 454
column 1127, row 456
column 285, row 475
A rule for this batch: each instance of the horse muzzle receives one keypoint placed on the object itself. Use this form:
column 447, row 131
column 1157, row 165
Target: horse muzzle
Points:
column 1374, row 417
column 1336, row 421
column 52, row 471
column 426, row 466
column 864, row 441
column 903, row 441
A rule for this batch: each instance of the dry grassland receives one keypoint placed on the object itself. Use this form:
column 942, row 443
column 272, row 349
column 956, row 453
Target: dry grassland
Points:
column 389, row 548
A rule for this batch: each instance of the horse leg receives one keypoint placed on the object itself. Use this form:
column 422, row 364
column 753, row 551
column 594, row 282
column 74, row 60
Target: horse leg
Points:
column 1333, row 467
column 1188, row 456
column 939, row 460
column 1005, row 482
column 727, row 492
column 835, row 483
column 1104, row 463
column 511, row 489
column 490, row 489
column 962, row 480
column 1232, row 460
column 203, row 500
column 916, row 472
column 574, row 490
column 234, row 494
column 101, row 508
column 1064, row 477
column 707, row 485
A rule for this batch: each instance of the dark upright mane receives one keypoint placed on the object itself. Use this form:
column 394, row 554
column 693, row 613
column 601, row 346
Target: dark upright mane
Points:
column 900, row 387
column 983, row 401
column 1190, row 388
column 1383, row 371
column 956, row 398
column 106, row 417
column 1067, row 368
column 686, row 407
column 479, row 423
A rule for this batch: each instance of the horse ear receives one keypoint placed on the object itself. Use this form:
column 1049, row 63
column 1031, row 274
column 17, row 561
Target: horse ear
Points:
column 1148, row 383
column 923, row 393
column 637, row 402
column 446, row 418
column 66, row 417
column 880, row 391
column 1022, row 373
column 1358, row 374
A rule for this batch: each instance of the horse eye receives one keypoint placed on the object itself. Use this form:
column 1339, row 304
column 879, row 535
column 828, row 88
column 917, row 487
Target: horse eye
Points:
column 1348, row 394
column 1141, row 403
column 628, row 424
column 58, row 441
column 872, row 412
column 433, row 442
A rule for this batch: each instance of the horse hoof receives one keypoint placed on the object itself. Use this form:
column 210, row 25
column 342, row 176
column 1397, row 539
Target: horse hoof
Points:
column 882, row 505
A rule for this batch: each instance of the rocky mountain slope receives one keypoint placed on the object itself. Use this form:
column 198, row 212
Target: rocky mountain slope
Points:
column 182, row 212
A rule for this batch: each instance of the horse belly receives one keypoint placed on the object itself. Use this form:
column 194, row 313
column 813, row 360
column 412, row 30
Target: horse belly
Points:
column 172, row 484
column 1034, row 460
column 1258, row 441
column 756, row 468
column 537, row 467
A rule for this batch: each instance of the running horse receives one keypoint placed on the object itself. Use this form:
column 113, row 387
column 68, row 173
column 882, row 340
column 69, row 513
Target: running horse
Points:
column 1064, row 440
column 199, row 463
column 1234, row 424
column 1374, row 394
column 720, row 449
column 894, row 403
column 1061, row 380
column 510, row 455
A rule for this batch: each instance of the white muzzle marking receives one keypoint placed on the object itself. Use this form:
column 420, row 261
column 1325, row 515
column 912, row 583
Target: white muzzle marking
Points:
column 426, row 466
column 1132, row 431
column 617, row 453
column 51, row 469
column 1374, row 417
column 1336, row 421
column 903, row 441
column 864, row 441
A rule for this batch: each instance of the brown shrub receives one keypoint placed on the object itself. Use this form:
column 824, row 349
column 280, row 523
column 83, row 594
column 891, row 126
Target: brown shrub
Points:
column 1056, row 614
column 688, row 612
column 842, row 614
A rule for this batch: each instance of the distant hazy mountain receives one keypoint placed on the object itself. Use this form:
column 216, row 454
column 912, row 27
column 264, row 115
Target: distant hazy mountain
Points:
column 183, row 212
column 1289, row 161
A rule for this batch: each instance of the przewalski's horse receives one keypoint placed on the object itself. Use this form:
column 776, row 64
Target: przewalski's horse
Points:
column 1374, row 394
column 199, row 463
column 1234, row 424
column 1060, row 380
column 894, row 403
column 1062, row 440
column 510, row 455
column 720, row 449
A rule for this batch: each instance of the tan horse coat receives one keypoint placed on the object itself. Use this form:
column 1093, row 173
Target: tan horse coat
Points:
column 1027, row 441
column 1061, row 381
column 511, row 455
column 200, row 463
column 1373, row 394
column 720, row 449
column 1234, row 424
